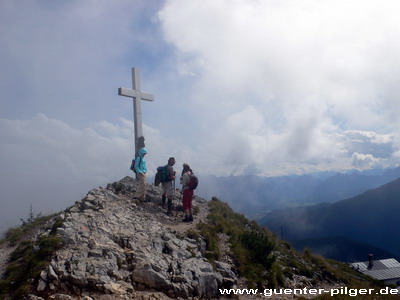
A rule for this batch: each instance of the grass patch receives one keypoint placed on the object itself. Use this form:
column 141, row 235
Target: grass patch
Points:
column 265, row 261
column 196, row 210
column 210, row 236
column 252, row 245
column 16, row 234
column 29, row 257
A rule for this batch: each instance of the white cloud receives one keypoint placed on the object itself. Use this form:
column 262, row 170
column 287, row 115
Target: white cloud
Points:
column 51, row 145
column 378, row 145
column 363, row 161
column 370, row 136
column 50, row 164
column 285, row 82
column 291, row 49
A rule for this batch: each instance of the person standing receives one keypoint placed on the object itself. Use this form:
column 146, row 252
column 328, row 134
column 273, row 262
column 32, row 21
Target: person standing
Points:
column 141, row 170
column 187, row 193
column 168, row 185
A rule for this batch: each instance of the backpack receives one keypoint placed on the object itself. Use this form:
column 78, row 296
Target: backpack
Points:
column 132, row 168
column 194, row 182
column 161, row 175
column 157, row 179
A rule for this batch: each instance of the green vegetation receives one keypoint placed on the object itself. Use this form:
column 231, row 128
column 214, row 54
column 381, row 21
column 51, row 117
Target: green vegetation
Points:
column 14, row 235
column 196, row 210
column 266, row 261
column 251, row 245
column 29, row 225
column 30, row 256
column 31, row 216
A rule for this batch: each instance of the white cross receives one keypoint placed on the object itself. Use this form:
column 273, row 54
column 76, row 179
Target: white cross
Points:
column 137, row 96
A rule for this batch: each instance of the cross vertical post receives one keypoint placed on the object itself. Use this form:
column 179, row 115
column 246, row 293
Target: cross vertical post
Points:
column 136, row 94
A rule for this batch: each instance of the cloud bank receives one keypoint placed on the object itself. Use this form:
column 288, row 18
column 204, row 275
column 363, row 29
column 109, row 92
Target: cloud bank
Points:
column 285, row 81
column 50, row 164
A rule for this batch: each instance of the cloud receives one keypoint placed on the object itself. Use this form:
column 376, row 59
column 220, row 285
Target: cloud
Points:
column 285, row 82
column 267, row 85
column 50, row 164
column 378, row 145
column 45, row 144
column 244, row 141
column 363, row 161
column 67, row 59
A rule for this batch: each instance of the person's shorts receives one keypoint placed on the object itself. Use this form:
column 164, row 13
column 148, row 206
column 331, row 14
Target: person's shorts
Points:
column 168, row 188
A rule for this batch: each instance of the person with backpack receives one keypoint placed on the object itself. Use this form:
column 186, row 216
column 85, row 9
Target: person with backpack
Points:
column 140, row 169
column 168, row 184
column 187, row 192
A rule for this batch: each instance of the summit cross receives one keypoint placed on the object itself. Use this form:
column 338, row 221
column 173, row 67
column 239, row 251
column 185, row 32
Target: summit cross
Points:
column 137, row 96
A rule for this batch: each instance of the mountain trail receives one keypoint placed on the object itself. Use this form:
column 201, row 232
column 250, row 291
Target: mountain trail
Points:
column 174, row 221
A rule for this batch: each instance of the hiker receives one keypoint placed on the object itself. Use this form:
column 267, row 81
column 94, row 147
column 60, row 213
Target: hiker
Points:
column 168, row 186
column 141, row 170
column 187, row 193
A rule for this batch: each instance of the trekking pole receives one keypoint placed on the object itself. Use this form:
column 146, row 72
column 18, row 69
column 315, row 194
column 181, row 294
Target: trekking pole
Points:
column 180, row 200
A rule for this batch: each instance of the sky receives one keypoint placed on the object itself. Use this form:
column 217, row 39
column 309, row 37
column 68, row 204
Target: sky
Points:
column 241, row 87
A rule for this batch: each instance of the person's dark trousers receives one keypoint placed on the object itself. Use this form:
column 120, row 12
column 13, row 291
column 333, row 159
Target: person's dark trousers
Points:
column 163, row 201
column 169, row 206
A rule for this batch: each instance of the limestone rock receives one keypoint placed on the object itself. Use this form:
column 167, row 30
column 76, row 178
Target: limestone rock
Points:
column 116, row 246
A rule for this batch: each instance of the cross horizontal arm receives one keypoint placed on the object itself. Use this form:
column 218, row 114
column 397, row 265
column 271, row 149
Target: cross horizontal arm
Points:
column 147, row 97
column 127, row 92
column 133, row 94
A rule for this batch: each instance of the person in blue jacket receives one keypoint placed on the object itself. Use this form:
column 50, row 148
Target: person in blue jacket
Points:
column 141, row 170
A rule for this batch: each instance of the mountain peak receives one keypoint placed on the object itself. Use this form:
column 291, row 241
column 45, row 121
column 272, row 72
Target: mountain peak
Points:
column 370, row 218
column 119, row 246
column 108, row 244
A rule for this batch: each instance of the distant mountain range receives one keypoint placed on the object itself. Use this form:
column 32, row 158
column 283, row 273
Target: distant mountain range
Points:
column 254, row 196
column 370, row 218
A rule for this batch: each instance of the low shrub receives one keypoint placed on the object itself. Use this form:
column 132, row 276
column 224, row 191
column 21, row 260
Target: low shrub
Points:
column 252, row 246
column 29, row 257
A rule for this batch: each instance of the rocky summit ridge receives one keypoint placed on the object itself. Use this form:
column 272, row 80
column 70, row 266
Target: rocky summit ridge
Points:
column 114, row 247
column 119, row 246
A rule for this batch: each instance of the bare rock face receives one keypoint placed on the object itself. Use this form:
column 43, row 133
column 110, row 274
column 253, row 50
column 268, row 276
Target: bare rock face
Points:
column 116, row 246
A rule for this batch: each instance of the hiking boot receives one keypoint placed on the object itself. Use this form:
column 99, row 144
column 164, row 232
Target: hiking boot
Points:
column 163, row 201
column 169, row 206
column 190, row 218
column 186, row 219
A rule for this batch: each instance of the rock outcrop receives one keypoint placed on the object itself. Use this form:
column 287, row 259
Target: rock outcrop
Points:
column 116, row 246
column 108, row 246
